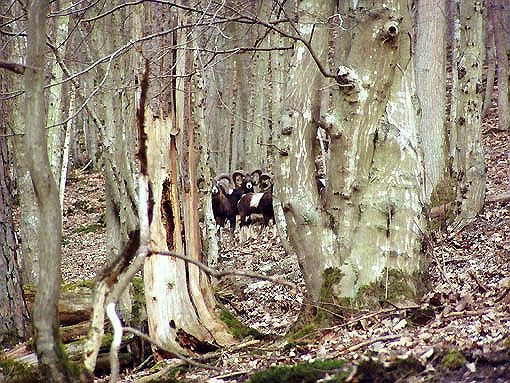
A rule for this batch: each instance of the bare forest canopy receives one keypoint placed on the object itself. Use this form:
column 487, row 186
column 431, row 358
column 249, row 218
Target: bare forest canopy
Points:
column 317, row 186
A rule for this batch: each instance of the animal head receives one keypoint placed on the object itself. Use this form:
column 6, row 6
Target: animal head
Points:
column 266, row 181
column 255, row 176
column 238, row 178
column 220, row 183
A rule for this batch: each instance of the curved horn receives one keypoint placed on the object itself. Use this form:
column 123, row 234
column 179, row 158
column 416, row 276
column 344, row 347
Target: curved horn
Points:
column 266, row 180
column 256, row 171
column 255, row 176
column 235, row 174
column 223, row 176
column 266, row 177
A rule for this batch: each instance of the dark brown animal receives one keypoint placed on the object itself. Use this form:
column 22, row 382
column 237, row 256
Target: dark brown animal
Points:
column 255, row 203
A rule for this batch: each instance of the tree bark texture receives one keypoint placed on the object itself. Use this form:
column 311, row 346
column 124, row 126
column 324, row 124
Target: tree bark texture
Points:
column 13, row 310
column 490, row 61
column 453, row 58
column 119, row 133
column 431, row 89
column 45, row 316
column 309, row 236
column 180, row 304
column 28, row 257
column 365, row 240
column 471, row 171
column 503, row 71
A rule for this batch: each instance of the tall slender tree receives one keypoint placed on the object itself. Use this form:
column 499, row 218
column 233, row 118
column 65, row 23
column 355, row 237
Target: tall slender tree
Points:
column 13, row 310
column 45, row 314
column 431, row 88
column 503, row 68
column 471, row 162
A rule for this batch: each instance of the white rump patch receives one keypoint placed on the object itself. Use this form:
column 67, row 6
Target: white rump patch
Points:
column 256, row 199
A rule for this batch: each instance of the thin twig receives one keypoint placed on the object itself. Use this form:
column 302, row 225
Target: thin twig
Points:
column 481, row 286
column 503, row 295
column 231, row 374
column 368, row 342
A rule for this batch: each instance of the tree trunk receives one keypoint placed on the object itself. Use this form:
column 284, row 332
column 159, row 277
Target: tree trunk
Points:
column 58, row 104
column 453, row 55
column 503, row 67
column 471, row 174
column 13, row 310
column 491, row 66
column 45, row 317
column 239, row 121
column 204, row 176
column 25, row 191
column 309, row 237
column 363, row 245
column 118, row 136
column 180, row 305
column 431, row 89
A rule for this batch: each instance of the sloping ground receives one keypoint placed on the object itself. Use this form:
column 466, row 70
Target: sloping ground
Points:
column 467, row 309
column 84, row 236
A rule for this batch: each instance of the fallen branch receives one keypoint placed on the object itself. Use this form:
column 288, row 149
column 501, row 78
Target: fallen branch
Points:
column 13, row 67
column 373, row 314
column 366, row 343
column 481, row 286
column 220, row 274
column 503, row 295
column 160, row 375
column 232, row 374
column 503, row 197
column 456, row 314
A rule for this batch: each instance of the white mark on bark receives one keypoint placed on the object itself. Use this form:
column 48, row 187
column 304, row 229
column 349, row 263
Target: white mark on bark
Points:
column 299, row 54
column 328, row 248
column 330, row 119
column 363, row 95
column 401, row 114
column 306, row 29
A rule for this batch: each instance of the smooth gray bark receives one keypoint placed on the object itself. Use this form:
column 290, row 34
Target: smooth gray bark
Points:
column 503, row 68
column 471, row 172
column 431, row 88
column 45, row 313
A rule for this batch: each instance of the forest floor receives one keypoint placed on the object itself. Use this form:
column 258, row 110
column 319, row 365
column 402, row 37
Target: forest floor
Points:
column 459, row 332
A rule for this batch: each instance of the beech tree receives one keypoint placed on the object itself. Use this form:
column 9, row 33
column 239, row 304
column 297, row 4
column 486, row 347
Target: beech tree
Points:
column 364, row 243
column 45, row 314
column 495, row 8
column 431, row 89
column 470, row 186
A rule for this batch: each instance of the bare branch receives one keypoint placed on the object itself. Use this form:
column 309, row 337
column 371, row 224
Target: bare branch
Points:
column 272, row 25
column 13, row 67
column 220, row 274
